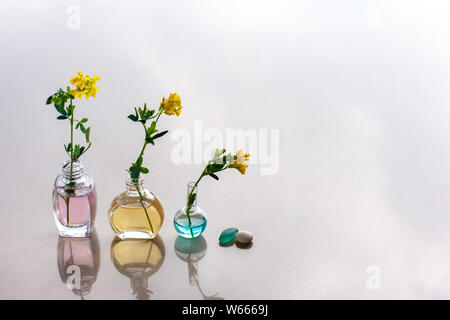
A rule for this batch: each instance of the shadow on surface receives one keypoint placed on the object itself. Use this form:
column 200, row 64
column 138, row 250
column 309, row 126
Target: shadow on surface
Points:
column 191, row 251
column 78, row 263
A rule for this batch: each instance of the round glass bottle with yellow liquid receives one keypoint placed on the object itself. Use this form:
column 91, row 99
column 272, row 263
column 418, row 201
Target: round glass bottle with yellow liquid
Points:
column 136, row 213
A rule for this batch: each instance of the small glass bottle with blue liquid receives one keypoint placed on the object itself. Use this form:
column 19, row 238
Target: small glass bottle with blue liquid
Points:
column 190, row 220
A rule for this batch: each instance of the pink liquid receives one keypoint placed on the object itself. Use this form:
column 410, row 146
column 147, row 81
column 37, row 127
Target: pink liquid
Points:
column 81, row 209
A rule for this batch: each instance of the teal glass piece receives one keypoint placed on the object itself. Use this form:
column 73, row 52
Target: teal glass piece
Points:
column 228, row 235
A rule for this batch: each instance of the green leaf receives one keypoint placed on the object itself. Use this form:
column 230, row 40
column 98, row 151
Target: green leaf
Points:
column 160, row 134
column 149, row 132
column 141, row 113
column 191, row 198
column 60, row 108
column 217, row 166
column 148, row 114
column 70, row 108
column 88, row 133
column 77, row 125
column 82, row 128
column 49, row 100
column 219, row 152
column 76, row 152
column 132, row 117
column 214, row 176
column 139, row 161
column 150, row 140
column 84, row 120
column 61, row 117
column 144, row 170
column 153, row 127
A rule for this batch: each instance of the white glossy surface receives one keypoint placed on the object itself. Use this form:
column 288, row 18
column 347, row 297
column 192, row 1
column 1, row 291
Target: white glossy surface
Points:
column 359, row 91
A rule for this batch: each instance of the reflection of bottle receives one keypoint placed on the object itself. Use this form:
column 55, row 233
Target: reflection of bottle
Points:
column 74, row 201
column 192, row 251
column 133, row 217
column 138, row 259
column 79, row 254
column 193, row 224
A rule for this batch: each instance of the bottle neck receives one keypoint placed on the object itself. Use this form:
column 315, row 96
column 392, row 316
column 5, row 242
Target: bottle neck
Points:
column 72, row 171
column 135, row 186
column 192, row 194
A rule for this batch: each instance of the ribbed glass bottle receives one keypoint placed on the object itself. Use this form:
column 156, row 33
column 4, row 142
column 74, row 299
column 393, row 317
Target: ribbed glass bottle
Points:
column 74, row 201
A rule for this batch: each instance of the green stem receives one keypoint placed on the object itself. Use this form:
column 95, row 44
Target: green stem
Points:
column 66, row 200
column 71, row 159
column 84, row 151
column 145, row 209
column 145, row 143
column 141, row 199
column 159, row 115
column 71, row 141
column 189, row 204
column 145, row 130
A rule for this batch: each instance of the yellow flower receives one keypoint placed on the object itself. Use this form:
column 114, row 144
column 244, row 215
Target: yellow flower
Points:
column 85, row 85
column 172, row 105
column 239, row 161
column 241, row 156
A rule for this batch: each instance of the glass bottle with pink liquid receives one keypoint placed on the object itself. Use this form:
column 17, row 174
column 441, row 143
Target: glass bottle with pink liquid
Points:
column 74, row 201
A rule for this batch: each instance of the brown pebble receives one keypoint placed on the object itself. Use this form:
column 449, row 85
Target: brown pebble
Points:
column 244, row 237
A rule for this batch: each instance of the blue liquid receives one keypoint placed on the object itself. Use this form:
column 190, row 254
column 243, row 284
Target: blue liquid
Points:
column 197, row 227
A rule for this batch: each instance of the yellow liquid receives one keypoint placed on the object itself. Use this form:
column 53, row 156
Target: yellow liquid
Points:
column 131, row 221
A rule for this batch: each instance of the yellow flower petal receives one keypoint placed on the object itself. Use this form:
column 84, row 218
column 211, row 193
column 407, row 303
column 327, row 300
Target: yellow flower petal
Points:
column 84, row 85
column 172, row 105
